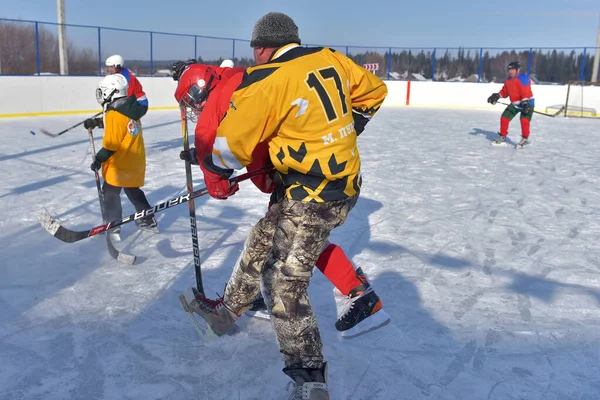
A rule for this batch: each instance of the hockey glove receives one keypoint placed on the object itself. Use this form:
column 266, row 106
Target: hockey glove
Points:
column 96, row 165
column 493, row 99
column 525, row 107
column 189, row 156
column 93, row 123
column 102, row 156
column 180, row 66
column 217, row 180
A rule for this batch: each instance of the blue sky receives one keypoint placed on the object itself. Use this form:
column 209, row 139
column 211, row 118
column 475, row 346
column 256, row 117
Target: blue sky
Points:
column 435, row 23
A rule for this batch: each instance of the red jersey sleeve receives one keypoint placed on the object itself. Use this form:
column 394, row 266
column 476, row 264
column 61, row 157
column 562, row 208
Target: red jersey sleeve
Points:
column 504, row 92
column 215, row 109
column 135, row 88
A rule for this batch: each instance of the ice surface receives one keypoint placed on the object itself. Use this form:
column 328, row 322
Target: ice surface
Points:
column 486, row 258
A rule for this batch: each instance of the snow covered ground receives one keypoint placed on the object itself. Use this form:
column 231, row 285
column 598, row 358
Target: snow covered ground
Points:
column 486, row 258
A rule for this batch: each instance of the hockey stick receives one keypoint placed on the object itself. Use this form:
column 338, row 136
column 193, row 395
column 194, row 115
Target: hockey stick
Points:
column 52, row 226
column 114, row 253
column 45, row 132
column 191, row 205
column 537, row 112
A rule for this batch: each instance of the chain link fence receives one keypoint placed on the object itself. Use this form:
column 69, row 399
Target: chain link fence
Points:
column 31, row 48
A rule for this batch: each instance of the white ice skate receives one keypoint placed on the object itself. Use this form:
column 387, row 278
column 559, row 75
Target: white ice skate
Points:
column 522, row 143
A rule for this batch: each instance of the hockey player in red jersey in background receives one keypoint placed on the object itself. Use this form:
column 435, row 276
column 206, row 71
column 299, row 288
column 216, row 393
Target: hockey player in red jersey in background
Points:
column 206, row 92
column 518, row 88
column 116, row 65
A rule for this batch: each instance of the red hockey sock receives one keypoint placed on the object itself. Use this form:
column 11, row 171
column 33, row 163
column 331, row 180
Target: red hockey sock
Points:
column 336, row 267
column 504, row 126
column 525, row 127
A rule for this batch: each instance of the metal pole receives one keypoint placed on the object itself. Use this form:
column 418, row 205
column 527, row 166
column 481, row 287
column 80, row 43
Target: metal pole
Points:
column 480, row 66
column 99, row 52
column 346, row 51
column 151, row 57
column 596, row 58
column 582, row 74
column 389, row 66
column 62, row 38
column 233, row 52
column 196, row 48
column 37, row 48
column 529, row 61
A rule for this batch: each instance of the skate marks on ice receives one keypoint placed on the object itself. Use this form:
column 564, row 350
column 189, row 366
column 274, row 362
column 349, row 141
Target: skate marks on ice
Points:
column 399, row 346
column 513, row 333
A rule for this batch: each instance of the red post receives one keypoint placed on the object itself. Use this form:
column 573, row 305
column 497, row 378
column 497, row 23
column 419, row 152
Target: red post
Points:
column 408, row 93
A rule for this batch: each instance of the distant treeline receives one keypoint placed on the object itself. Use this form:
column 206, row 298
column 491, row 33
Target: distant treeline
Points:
column 18, row 56
column 548, row 66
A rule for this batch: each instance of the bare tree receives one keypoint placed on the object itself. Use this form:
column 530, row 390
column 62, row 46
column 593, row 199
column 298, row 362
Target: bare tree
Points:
column 18, row 51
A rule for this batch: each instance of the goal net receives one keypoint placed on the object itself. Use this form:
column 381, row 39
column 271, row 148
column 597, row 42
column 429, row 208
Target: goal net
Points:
column 583, row 100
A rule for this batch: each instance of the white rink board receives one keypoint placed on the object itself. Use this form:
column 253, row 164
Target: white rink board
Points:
column 24, row 96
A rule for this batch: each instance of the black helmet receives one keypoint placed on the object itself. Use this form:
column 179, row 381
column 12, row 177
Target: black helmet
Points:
column 514, row 65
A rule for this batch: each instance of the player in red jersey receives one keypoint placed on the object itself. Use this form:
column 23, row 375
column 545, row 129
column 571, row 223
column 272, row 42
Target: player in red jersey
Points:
column 518, row 88
column 116, row 65
column 206, row 91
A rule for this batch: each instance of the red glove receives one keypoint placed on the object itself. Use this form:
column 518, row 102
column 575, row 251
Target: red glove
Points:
column 217, row 180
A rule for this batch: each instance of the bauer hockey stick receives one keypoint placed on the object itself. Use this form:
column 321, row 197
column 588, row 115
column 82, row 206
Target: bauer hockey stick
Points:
column 191, row 205
column 45, row 132
column 114, row 253
column 537, row 112
column 52, row 226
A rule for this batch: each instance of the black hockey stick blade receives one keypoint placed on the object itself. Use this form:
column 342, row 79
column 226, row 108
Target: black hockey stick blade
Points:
column 561, row 109
column 48, row 133
column 53, row 227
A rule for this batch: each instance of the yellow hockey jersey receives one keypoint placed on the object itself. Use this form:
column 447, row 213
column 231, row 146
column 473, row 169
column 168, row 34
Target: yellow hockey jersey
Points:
column 123, row 135
column 302, row 102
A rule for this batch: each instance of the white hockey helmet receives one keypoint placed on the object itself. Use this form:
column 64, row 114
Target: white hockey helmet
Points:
column 110, row 88
column 227, row 64
column 115, row 61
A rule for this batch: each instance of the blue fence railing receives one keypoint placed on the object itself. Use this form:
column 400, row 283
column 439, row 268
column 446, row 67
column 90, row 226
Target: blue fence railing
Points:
column 31, row 48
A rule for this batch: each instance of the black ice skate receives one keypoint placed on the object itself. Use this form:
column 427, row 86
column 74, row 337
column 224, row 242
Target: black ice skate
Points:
column 361, row 311
column 147, row 224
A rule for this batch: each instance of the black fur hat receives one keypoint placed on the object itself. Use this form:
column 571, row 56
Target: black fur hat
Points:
column 274, row 29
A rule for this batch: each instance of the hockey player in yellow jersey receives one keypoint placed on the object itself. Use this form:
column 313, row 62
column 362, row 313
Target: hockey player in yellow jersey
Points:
column 122, row 157
column 308, row 105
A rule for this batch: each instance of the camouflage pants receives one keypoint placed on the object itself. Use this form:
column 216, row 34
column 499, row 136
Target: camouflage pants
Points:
column 282, row 249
